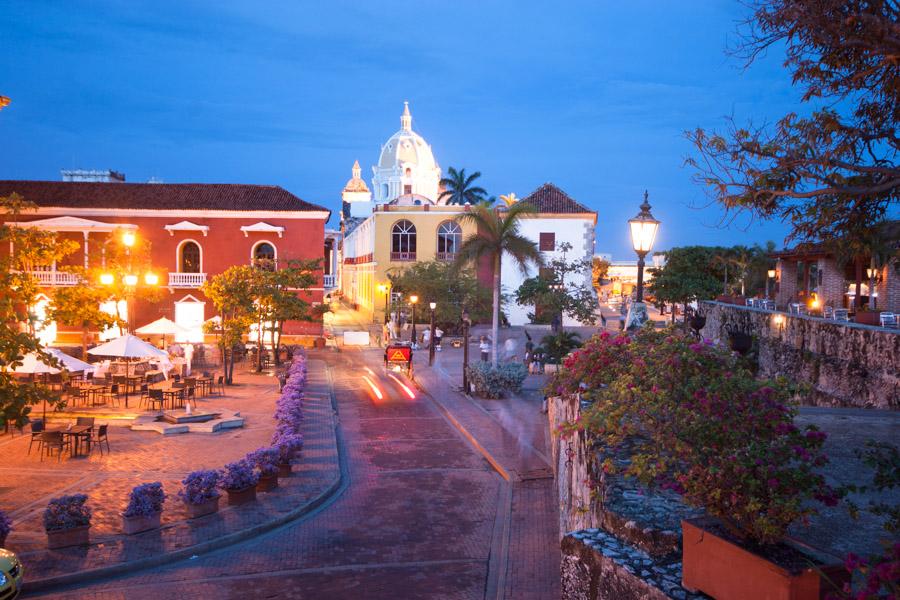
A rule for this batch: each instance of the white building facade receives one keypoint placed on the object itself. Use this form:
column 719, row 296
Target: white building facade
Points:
column 558, row 221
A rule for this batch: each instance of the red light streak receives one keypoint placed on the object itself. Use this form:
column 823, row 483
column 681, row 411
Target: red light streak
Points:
column 374, row 388
column 405, row 387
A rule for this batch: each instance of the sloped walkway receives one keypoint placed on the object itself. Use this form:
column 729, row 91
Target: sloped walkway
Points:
column 139, row 457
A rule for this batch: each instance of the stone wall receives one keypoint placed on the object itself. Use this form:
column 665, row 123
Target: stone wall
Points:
column 845, row 364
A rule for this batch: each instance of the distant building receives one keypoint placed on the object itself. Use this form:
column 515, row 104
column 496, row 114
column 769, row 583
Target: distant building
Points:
column 196, row 231
column 86, row 176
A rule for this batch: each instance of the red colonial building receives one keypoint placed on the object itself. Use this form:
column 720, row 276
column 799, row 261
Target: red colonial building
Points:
column 195, row 230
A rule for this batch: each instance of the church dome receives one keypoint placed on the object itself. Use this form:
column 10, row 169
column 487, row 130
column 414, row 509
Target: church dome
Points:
column 406, row 148
column 356, row 183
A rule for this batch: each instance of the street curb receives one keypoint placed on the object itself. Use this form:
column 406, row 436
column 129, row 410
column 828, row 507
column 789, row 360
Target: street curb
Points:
column 466, row 434
column 49, row 583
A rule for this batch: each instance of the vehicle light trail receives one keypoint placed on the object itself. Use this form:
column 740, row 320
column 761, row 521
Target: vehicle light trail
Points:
column 405, row 387
column 374, row 387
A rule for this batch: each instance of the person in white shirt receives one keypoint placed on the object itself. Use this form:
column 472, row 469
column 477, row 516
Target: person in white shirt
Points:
column 438, row 334
column 484, row 346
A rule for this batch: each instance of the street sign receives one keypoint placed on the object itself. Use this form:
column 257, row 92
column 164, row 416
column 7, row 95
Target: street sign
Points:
column 398, row 353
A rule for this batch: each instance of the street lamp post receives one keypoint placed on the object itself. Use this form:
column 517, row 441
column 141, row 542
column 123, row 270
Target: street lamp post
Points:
column 413, row 300
column 770, row 276
column 383, row 288
column 466, row 321
column 643, row 233
column 432, row 306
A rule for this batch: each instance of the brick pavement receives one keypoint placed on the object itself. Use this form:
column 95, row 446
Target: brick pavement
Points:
column 419, row 518
column 145, row 456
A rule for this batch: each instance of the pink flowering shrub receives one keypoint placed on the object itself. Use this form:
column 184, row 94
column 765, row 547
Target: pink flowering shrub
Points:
column 878, row 578
column 692, row 419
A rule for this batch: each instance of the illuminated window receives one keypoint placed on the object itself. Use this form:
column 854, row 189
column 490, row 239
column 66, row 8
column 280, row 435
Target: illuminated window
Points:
column 189, row 261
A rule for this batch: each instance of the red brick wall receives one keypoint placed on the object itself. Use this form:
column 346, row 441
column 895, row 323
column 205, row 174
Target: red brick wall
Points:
column 787, row 282
column 889, row 289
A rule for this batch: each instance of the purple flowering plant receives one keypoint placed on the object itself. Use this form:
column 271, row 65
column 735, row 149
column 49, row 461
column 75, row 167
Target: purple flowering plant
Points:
column 67, row 512
column 145, row 500
column 287, row 445
column 5, row 524
column 200, row 486
column 694, row 419
column 239, row 475
column 266, row 460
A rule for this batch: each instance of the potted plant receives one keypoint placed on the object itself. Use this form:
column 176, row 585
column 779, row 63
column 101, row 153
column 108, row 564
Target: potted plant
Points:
column 288, row 446
column 265, row 460
column 239, row 481
column 67, row 521
column 200, row 492
column 145, row 505
column 5, row 528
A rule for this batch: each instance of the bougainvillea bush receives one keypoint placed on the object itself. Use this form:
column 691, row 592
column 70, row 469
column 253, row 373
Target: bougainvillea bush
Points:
column 199, row 487
column 67, row 512
column 239, row 475
column 693, row 419
column 287, row 445
column 265, row 460
column 145, row 500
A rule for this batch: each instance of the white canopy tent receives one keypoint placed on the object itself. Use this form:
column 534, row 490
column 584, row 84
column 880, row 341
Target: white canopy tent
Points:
column 162, row 326
column 131, row 347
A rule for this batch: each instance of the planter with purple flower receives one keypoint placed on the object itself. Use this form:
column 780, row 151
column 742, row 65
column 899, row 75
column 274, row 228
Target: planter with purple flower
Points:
column 67, row 521
column 145, row 505
column 265, row 460
column 200, row 492
column 288, row 445
column 5, row 528
column 239, row 481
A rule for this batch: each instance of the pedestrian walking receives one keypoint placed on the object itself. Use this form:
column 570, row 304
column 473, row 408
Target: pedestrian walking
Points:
column 426, row 338
column 529, row 350
column 438, row 334
column 509, row 349
column 485, row 348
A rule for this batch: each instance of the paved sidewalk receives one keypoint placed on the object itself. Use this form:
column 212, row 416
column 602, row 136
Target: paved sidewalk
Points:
column 143, row 456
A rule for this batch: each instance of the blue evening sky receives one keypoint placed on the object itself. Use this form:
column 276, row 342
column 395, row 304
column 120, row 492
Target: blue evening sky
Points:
column 593, row 96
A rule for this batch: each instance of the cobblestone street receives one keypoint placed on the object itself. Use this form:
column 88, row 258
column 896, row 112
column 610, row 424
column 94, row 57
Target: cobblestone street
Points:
column 421, row 514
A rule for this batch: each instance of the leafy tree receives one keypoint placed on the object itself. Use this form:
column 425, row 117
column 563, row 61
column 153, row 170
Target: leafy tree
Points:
column 460, row 188
column 450, row 288
column 278, row 300
column 833, row 173
column 556, row 347
column 599, row 270
column 556, row 297
column 79, row 306
column 232, row 293
column 30, row 249
column 497, row 233
column 686, row 276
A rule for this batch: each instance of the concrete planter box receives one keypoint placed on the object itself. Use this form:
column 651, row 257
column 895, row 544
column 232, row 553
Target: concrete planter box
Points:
column 723, row 569
column 140, row 523
column 238, row 497
column 205, row 508
column 267, row 483
column 64, row 538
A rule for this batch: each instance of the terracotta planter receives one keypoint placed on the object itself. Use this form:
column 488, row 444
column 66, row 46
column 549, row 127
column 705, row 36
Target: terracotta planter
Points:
column 204, row 508
column 267, row 483
column 868, row 318
column 284, row 469
column 723, row 569
column 63, row 538
column 238, row 497
column 133, row 525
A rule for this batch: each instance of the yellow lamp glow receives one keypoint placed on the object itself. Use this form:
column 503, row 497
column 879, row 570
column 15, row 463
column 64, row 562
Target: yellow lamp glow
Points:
column 771, row 273
column 131, row 279
column 432, row 305
column 814, row 303
column 151, row 279
column 107, row 279
column 383, row 288
column 128, row 238
column 643, row 229
column 413, row 298
column 779, row 319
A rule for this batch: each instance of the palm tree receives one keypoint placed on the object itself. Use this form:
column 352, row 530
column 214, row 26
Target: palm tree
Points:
column 496, row 233
column 460, row 188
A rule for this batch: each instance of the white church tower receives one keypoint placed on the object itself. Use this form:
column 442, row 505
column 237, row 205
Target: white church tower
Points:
column 406, row 165
column 356, row 197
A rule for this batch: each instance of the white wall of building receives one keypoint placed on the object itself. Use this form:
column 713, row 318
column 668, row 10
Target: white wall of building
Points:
column 576, row 231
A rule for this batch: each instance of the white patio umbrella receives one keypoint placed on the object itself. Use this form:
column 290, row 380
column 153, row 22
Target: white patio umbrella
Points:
column 162, row 326
column 72, row 364
column 32, row 363
column 128, row 347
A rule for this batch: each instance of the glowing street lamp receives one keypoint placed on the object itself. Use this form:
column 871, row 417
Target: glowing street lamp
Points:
column 643, row 233
column 413, row 300
column 151, row 279
column 107, row 279
column 128, row 238
column 432, row 306
column 770, row 277
column 130, row 280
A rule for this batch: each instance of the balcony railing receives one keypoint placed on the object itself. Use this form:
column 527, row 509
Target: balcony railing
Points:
column 446, row 256
column 55, row 278
column 330, row 281
column 403, row 256
column 186, row 280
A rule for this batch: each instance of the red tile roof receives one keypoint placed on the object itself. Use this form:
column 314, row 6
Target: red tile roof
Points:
column 550, row 199
column 159, row 196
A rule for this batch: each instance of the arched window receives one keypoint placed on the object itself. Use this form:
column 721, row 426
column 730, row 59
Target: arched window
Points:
column 403, row 241
column 264, row 256
column 189, row 259
column 449, row 239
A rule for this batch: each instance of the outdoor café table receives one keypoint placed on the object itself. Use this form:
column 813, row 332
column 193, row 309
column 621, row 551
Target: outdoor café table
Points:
column 204, row 384
column 76, row 432
column 94, row 391
column 173, row 395
column 134, row 382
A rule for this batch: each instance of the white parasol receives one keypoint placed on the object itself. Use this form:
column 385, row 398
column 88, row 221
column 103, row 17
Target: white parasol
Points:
column 33, row 363
column 162, row 326
column 128, row 347
column 72, row 364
